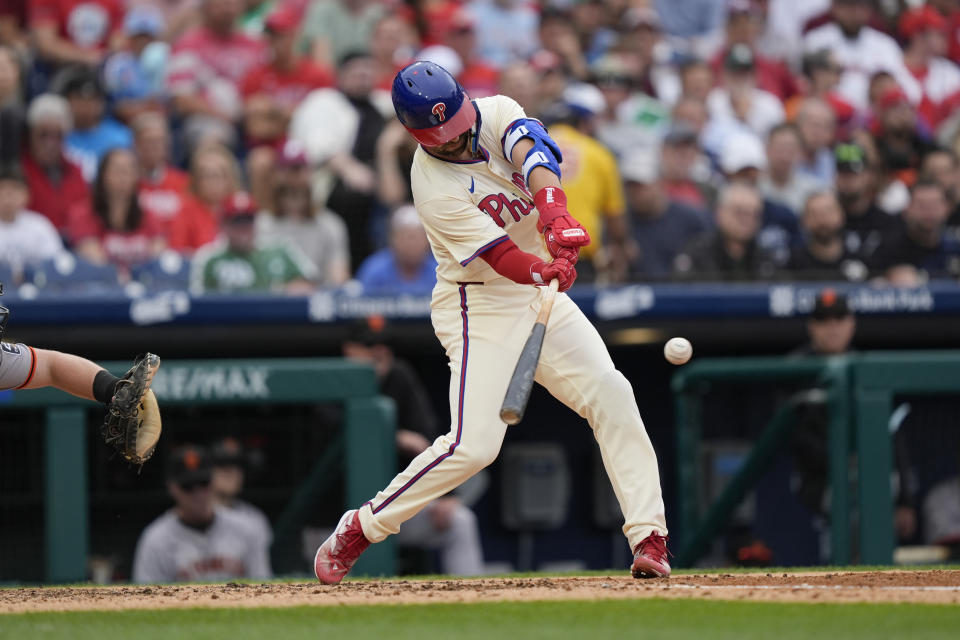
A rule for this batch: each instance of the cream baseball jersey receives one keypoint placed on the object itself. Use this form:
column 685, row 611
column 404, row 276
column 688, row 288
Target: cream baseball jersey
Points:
column 468, row 207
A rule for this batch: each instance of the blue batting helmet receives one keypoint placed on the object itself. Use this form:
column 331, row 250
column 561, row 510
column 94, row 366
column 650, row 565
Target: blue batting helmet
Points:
column 431, row 104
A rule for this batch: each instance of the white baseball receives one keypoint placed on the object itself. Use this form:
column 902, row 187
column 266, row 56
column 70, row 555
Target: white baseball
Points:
column 677, row 350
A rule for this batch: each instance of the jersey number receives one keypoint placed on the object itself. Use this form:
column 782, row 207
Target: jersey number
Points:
column 12, row 349
column 494, row 206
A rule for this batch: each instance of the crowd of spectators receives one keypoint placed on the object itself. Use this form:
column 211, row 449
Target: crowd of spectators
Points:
column 702, row 139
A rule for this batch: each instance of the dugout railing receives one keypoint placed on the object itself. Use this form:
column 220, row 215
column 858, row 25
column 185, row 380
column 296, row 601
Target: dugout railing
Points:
column 858, row 391
column 366, row 443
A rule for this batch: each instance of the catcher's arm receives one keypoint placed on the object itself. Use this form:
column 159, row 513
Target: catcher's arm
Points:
column 65, row 371
column 132, row 425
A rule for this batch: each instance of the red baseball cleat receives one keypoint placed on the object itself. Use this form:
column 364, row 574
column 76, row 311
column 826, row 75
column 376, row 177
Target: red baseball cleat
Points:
column 338, row 553
column 650, row 558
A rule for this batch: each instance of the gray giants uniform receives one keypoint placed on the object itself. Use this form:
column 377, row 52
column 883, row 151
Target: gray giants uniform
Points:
column 254, row 518
column 18, row 362
column 170, row 551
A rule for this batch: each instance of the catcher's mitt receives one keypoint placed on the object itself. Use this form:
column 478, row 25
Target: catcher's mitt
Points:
column 132, row 424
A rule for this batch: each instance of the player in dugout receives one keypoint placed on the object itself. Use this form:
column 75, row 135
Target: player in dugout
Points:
column 482, row 168
column 197, row 539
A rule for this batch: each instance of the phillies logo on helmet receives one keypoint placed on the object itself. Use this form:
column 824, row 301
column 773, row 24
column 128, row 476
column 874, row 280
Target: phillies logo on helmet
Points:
column 438, row 110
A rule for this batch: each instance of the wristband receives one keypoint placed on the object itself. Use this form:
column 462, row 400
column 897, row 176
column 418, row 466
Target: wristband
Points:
column 551, row 202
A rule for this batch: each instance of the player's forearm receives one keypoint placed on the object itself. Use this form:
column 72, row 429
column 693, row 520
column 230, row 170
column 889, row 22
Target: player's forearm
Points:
column 543, row 181
column 65, row 371
column 511, row 262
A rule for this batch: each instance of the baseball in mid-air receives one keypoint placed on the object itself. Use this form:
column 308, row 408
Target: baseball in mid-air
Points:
column 677, row 350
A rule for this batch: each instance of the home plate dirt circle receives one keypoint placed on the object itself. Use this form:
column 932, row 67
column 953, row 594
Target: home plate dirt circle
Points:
column 941, row 587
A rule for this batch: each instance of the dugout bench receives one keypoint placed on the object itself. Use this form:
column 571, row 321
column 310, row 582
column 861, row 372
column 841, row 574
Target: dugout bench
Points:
column 858, row 391
column 366, row 443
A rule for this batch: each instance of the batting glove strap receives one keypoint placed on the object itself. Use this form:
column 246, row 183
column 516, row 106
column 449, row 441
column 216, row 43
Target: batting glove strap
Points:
column 536, row 277
column 560, row 269
column 551, row 203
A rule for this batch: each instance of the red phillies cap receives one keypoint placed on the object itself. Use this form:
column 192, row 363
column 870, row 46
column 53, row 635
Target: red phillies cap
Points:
column 892, row 97
column 544, row 60
column 921, row 19
column 292, row 154
column 282, row 19
column 461, row 20
column 239, row 205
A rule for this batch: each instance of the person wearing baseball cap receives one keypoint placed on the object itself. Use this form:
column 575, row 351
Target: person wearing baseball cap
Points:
column 824, row 255
column 685, row 170
column 294, row 217
column 188, row 468
column 865, row 222
column 237, row 263
column 478, row 78
column 287, row 77
column 901, row 140
column 272, row 90
column 744, row 22
column 660, row 226
column 94, row 131
column 925, row 33
column 743, row 161
column 738, row 99
column 230, row 463
column 133, row 77
column 831, row 327
column 591, row 183
column 820, row 78
column 197, row 540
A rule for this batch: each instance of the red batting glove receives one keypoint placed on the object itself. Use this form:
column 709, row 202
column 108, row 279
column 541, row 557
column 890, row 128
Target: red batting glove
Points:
column 562, row 233
column 561, row 269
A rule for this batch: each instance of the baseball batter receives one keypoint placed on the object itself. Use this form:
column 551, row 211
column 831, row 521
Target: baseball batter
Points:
column 486, row 183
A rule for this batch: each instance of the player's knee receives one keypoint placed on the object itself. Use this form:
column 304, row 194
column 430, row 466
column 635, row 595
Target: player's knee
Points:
column 609, row 394
column 478, row 457
column 614, row 384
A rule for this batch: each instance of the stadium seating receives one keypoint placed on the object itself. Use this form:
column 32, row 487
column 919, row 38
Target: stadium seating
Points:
column 169, row 272
column 69, row 274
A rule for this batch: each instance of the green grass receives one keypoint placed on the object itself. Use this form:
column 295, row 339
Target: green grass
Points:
column 599, row 620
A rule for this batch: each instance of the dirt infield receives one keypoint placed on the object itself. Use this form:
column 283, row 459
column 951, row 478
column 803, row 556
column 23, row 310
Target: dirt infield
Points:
column 941, row 587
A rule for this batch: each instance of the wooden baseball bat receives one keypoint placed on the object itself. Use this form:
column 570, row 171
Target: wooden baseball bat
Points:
column 521, row 383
